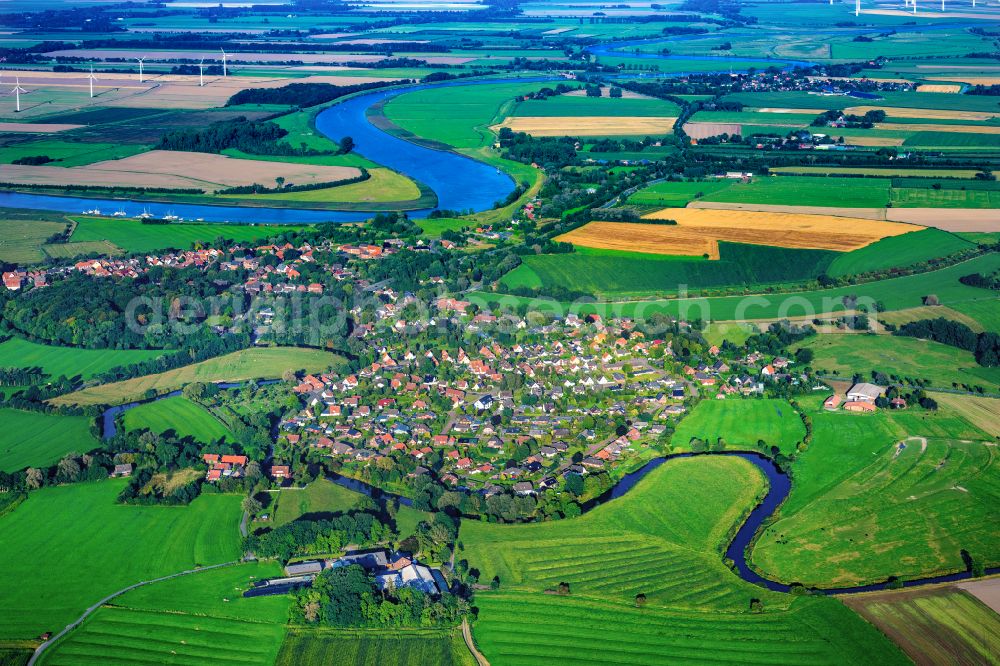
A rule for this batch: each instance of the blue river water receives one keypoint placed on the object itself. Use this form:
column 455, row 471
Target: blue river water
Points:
column 459, row 182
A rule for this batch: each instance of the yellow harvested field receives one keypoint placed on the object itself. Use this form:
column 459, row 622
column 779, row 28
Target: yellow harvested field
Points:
column 698, row 232
column 53, row 92
column 36, row 128
column 177, row 170
column 935, row 114
column 971, row 80
column 939, row 88
column 979, row 411
column 900, row 317
column 589, row 125
column 949, row 219
column 931, row 127
column 705, row 130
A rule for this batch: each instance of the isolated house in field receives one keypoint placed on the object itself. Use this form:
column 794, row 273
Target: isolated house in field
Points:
column 865, row 392
column 122, row 470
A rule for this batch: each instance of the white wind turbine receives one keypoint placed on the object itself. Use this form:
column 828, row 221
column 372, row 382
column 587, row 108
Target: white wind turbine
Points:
column 140, row 68
column 857, row 7
column 225, row 70
column 201, row 73
column 92, row 79
column 17, row 94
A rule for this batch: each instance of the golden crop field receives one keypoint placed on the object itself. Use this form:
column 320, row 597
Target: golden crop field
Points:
column 698, row 232
column 698, row 130
column 938, row 88
column 971, row 80
column 934, row 114
column 980, row 411
column 178, row 170
column 37, row 128
column 589, row 125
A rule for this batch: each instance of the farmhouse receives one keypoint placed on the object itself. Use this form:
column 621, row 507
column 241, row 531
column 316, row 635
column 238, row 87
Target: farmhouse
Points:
column 865, row 392
column 832, row 402
column 859, row 406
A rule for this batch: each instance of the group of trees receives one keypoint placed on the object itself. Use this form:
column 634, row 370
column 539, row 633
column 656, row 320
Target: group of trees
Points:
column 303, row 94
column 866, row 121
column 985, row 346
column 349, row 597
column 308, row 537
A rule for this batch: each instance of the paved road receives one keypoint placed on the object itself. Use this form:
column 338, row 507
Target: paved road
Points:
column 76, row 623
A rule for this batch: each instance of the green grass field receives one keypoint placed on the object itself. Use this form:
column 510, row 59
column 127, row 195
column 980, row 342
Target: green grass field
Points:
column 935, row 625
column 941, row 364
column 861, row 510
column 320, row 496
column 807, row 191
column 986, row 312
column 662, row 539
column 905, row 100
column 33, row 439
column 895, row 294
column 186, row 620
column 23, row 233
column 180, row 416
column 70, row 153
column 898, row 251
column 741, row 423
column 259, row 362
column 134, row 236
column 573, row 106
column 676, row 194
column 406, row 647
column 72, row 362
column 75, row 249
column 630, row 273
column 75, row 545
column 887, row 172
column 458, row 116
column 434, row 228
column 384, row 185
column 900, row 317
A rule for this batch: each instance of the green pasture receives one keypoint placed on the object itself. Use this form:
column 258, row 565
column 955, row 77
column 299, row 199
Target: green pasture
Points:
column 255, row 363
column 624, row 273
column 910, row 197
column 741, row 424
column 23, row 233
column 179, row 416
column 70, row 153
column 403, row 647
column 905, row 100
column 35, row 439
column 134, row 236
column 940, row 364
column 807, row 191
column 319, row 497
column 885, row 172
column 459, row 116
column 985, row 311
column 862, row 508
column 75, row 544
column 434, row 228
column 898, row 251
column 71, row 362
column 383, row 185
column 677, row 194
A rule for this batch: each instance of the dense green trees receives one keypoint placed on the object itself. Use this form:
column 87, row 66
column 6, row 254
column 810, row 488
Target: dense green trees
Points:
column 985, row 346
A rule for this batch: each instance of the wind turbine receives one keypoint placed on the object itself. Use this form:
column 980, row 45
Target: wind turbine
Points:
column 92, row 79
column 857, row 7
column 140, row 68
column 201, row 73
column 17, row 94
column 225, row 71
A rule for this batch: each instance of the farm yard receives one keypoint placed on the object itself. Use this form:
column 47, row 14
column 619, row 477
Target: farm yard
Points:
column 90, row 546
column 243, row 365
column 933, row 625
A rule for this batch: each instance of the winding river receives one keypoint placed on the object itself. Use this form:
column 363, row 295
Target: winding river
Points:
column 779, row 485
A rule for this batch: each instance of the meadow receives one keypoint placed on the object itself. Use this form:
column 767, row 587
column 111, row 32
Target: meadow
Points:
column 676, row 193
column 934, row 625
column 254, row 363
column 862, row 508
column 414, row 647
column 88, row 546
column 900, row 317
column 134, row 236
column 940, row 364
column 661, row 539
column 894, row 293
column 23, row 233
column 458, row 116
column 590, row 126
column 741, row 424
column 71, row 362
column 985, row 311
column 320, row 496
column 383, row 185
column 34, row 439
column 984, row 413
column 899, row 251
column 807, row 191
column 186, row 620
column 622, row 273
column 571, row 105
column 181, row 417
